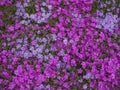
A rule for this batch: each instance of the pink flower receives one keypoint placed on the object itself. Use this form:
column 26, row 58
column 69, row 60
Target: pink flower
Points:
column 54, row 61
column 19, row 70
column 11, row 86
column 10, row 28
column 79, row 71
column 40, row 79
column 33, row 43
column 83, row 64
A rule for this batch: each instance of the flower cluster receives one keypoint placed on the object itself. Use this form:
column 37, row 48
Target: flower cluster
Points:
column 109, row 22
column 59, row 45
column 35, row 46
column 29, row 12
column 107, row 14
column 6, row 2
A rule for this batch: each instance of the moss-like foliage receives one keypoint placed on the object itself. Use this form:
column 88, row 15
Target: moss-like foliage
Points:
column 8, row 12
column 74, row 87
column 94, row 7
column 53, row 21
column 30, row 10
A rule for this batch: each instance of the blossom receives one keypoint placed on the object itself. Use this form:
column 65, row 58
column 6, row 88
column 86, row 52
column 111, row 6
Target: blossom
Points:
column 59, row 44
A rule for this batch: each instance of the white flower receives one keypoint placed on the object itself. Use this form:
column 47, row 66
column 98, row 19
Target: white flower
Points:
column 47, row 15
column 4, row 44
column 39, row 50
column 40, row 56
column 54, row 37
column 46, row 50
column 87, row 76
column 48, row 86
column 50, row 55
column 26, row 16
column 44, row 40
column 27, row 22
column 50, row 7
column 81, row 80
column 25, row 4
column 43, row 14
column 22, row 22
column 65, row 41
column 26, row 54
column 8, row 39
column 27, row 1
column 43, row 10
column 85, row 86
column 32, row 16
column 58, row 65
column 38, row 32
column 71, row 41
column 46, row 58
column 36, row 45
column 43, row 4
column 18, row 46
column 39, row 21
column 13, row 50
column 34, row 52
column 42, row 19
column 32, row 48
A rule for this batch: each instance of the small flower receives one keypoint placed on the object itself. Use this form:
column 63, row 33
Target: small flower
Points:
column 26, row 16
column 32, row 48
column 80, row 71
column 43, row 10
column 87, row 76
column 19, row 70
column 46, row 50
column 38, row 32
column 81, row 80
column 10, row 28
column 83, row 64
column 85, row 86
column 50, row 7
column 65, row 41
column 32, row 16
column 44, row 40
column 26, row 54
column 34, row 52
column 33, row 43
column 58, row 65
column 25, row 4
column 39, row 50
column 18, row 46
column 43, row 4
column 11, row 86
column 40, row 56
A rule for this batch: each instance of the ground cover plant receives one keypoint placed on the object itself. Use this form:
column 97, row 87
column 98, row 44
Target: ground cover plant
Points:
column 59, row 44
